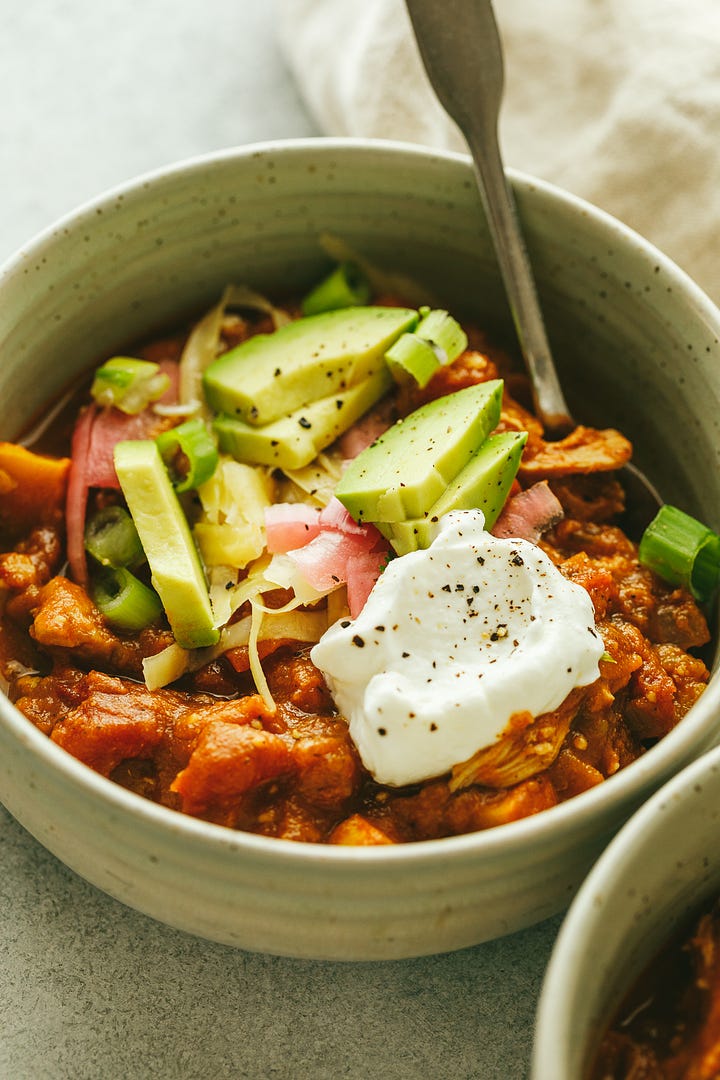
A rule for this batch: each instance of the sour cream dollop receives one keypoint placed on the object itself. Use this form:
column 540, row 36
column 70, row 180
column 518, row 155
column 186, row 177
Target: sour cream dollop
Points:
column 451, row 642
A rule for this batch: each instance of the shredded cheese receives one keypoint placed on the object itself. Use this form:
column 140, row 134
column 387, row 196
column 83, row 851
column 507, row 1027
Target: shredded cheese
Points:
column 203, row 344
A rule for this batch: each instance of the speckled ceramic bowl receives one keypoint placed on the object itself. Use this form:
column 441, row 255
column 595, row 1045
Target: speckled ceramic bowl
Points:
column 660, row 868
column 638, row 348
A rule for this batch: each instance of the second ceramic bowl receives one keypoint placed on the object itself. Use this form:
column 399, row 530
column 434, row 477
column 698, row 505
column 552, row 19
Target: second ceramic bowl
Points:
column 660, row 868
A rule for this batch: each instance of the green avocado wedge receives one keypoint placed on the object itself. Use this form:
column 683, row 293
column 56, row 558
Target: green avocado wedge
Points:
column 175, row 566
column 294, row 440
column 270, row 375
column 484, row 484
column 408, row 468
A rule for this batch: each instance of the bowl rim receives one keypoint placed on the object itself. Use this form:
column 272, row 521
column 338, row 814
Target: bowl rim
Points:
column 562, row 984
column 520, row 180
column 578, row 813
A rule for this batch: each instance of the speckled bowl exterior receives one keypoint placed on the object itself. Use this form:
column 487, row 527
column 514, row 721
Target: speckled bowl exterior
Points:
column 661, row 868
column 637, row 346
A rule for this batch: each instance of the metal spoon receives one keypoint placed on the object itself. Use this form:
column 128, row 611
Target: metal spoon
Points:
column 461, row 50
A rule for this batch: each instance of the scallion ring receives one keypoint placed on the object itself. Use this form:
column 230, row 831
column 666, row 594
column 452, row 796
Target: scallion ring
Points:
column 126, row 602
column 346, row 286
column 436, row 340
column 412, row 358
column 444, row 333
column 112, row 539
column 129, row 384
column 189, row 453
column 682, row 551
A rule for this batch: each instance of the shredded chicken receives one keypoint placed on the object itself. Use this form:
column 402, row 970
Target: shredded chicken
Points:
column 584, row 450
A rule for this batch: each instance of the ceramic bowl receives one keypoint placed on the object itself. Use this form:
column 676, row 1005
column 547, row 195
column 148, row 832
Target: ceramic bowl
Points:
column 637, row 346
column 660, row 868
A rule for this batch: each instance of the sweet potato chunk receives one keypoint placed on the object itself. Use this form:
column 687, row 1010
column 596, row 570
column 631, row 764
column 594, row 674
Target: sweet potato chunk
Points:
column 65, row 618
column 357, row 831
column 116, row 720
column 33, row 561
column 32, row 489
column 328, row 770
column 228, row 761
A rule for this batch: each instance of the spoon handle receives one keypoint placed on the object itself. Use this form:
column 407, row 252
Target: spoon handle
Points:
column 460, row 48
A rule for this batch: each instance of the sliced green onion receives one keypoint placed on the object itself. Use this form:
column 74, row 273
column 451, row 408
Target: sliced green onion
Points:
column 345, row 287
column 436, row 340
column 412, row 357
column 112, row 539
column 128, row 384
column 443, row 332
column 125, row 602
column 682, row 551
column 189, row 453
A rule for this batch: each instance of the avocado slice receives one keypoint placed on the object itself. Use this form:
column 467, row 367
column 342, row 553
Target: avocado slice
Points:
column 177, row 573
column 408, row 468
column 269, row 375
column 483, row 483
column 295, row 439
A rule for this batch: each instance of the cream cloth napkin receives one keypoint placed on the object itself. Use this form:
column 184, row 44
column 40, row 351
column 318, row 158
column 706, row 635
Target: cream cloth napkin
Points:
column 616, row 100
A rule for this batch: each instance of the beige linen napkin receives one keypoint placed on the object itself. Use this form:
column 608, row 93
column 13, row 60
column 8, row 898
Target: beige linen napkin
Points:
column 615, row 100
